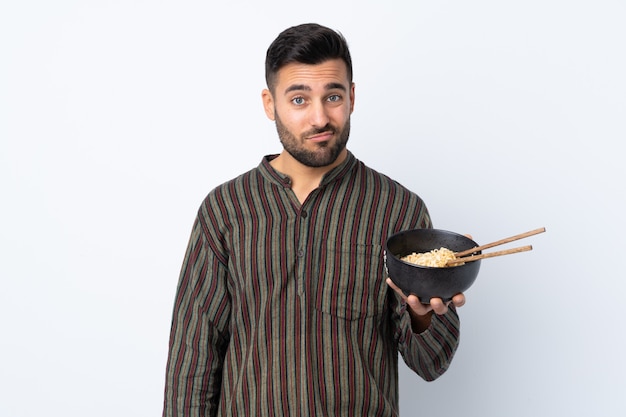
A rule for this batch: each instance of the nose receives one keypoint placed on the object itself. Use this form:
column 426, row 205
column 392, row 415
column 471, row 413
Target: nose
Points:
column 319, row 115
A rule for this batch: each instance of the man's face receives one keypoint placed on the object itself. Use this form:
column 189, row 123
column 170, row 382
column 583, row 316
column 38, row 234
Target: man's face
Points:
column 311, row 105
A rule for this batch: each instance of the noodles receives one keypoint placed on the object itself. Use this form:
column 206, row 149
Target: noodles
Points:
column 435, row 258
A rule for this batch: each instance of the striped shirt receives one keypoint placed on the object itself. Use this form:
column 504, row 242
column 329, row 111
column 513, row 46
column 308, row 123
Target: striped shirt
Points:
column 282, row 308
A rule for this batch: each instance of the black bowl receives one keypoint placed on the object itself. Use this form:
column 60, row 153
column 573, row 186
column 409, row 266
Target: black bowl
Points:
column 428, row 282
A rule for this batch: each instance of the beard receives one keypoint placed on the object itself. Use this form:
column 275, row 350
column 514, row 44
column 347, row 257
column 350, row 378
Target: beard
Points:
column 325, row 153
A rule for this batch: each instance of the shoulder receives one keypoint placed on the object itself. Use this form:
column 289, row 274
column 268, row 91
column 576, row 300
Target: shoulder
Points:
column 403, row 208
column 223, row 204
column 389, row 184
column 231, row 190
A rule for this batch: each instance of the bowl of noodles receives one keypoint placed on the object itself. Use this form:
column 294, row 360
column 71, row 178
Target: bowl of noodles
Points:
column 416, row 262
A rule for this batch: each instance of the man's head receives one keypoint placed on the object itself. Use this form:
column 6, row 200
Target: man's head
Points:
column 308, row 43
column 310, row 93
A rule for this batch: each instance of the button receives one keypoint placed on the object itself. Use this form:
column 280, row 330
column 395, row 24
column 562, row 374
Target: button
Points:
column 304, row 214
column 287, row 180
column 300, row 253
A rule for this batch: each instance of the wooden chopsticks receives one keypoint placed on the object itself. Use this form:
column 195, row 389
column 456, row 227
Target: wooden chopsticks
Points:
column 461, row 256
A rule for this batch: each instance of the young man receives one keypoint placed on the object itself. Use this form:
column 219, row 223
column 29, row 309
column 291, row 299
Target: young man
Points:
column 283, row 307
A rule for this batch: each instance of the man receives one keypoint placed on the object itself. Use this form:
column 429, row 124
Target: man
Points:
column 283, row 306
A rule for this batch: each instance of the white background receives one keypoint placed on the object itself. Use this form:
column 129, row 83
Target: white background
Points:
column 117, row 117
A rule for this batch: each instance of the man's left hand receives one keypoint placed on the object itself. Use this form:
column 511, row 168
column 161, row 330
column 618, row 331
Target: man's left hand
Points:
column 421, row 313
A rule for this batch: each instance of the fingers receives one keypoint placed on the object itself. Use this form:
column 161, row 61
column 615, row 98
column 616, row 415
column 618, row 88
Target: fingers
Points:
column 458, row 300
column 396, row 289
column 439, row 307
column 412, row 301
column 417, row 306
column 436, row 304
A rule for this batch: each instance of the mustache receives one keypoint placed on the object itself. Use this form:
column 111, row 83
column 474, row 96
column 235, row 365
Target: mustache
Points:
column 317, row 131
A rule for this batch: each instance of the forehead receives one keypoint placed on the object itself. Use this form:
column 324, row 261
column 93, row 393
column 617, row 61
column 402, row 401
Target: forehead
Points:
column 321, row 75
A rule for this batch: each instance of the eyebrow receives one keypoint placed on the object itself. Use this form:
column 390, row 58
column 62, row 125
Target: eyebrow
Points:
column 304, row 87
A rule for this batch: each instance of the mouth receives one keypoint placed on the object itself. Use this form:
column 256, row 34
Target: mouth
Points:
column 321, row 137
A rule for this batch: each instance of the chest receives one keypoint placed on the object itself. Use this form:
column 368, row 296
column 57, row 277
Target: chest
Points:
column 328, row 252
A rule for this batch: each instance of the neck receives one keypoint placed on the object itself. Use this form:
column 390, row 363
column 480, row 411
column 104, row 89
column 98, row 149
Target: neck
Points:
column 304, row 179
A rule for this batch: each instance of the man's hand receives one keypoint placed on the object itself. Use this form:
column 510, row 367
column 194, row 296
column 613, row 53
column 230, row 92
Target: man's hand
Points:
column 421, row 313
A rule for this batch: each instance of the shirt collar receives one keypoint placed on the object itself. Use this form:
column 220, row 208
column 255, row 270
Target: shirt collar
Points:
column 334, row 174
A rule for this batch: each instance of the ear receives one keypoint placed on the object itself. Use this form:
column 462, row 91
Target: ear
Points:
column 268, row 103
column 351, row 98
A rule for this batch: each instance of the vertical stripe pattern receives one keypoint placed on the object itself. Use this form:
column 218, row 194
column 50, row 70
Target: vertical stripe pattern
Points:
column 282, row 308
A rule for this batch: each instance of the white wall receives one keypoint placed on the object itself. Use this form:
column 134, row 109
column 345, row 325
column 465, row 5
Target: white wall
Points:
column 117, row 117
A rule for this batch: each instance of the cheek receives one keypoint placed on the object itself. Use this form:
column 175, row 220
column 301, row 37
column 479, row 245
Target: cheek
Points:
column 292, row 120
column 341, row 116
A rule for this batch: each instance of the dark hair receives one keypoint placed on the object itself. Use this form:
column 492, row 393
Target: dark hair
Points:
column 308, row 43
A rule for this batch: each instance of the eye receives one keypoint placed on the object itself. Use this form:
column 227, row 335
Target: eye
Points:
column 298, row 101
column 334, row 98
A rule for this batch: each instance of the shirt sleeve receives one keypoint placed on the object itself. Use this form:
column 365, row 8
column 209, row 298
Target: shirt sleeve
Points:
column 199, row 334
column 429, row 353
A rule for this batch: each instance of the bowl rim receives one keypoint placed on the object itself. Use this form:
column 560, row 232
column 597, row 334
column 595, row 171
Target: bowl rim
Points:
column 386, row 249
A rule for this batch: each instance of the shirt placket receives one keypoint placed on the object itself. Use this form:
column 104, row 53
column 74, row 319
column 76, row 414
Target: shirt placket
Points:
column 301, row 238
column 302, row 259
